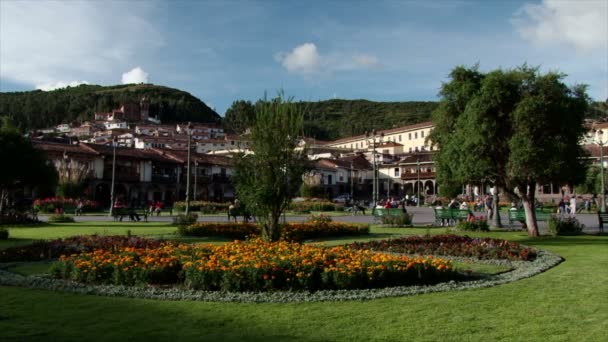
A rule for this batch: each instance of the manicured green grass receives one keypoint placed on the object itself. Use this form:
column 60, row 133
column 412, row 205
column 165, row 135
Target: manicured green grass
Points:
column 566, row 303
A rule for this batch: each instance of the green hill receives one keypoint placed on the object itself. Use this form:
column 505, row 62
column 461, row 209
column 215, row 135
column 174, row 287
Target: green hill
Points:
column 334, row 119
column 38, row 109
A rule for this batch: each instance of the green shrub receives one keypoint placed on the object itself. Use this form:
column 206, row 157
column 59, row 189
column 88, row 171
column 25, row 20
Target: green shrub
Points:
column 3, row 234
column 306, row 207
column 321, row 219
column 203, row 206
column 475, row 225
column 404, row 219
column 564, row 225
column 185, row 220
column 61, row 218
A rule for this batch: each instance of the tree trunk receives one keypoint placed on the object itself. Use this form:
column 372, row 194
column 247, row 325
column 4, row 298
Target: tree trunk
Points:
column 528, row 202
column 496, row 223
column 530, row 217
column 3, row 196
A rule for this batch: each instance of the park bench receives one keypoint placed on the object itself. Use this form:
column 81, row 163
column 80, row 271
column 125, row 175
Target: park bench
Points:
column 520, row 216
column 378, row 213
column 603, row 218
column 450, row 216
column 120, row 213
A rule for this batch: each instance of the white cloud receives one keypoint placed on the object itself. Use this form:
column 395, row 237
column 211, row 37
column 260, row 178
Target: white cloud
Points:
column 303, row 59
column 580, row 24
column 367, row 61
column 59, row 85
column 306, row 60
column 135, row 75
column 48, row 42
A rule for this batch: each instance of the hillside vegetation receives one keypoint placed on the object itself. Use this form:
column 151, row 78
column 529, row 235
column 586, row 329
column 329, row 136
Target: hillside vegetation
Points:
column 38, row 109
column 334, row 119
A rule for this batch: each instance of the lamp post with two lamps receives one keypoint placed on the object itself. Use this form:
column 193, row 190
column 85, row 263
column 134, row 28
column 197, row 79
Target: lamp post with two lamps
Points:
column 114, row 141
column 597, row 139
column 189, row 132
column 373, row 135
column 418, row 182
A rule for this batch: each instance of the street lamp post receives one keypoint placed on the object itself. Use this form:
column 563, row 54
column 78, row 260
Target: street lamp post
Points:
column 189, row 132
column 418, row 182
column 352, row 182
column 113, row 175
column 195, row 178
column 375, row 184
column 599, row 142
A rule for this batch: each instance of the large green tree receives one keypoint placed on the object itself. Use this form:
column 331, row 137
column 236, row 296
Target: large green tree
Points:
column 512, row 128
column 23, row 165
column 240, row 116
column 267, row 179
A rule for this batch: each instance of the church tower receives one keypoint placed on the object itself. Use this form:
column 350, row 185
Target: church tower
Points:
column 144, row 108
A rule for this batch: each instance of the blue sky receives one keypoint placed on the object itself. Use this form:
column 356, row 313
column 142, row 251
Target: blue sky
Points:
column 221, row 51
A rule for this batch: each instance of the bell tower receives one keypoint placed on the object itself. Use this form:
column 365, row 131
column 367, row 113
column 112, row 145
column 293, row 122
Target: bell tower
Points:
column 144, row 108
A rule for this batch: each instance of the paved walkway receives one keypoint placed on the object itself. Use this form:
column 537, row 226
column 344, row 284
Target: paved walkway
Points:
column 423, row 216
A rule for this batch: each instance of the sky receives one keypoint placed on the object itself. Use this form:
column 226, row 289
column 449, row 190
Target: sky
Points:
column 222, row 51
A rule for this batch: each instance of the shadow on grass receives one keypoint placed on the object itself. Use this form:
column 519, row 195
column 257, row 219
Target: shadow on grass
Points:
column 567, row 240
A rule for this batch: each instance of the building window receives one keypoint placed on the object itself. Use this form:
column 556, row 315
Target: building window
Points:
column 329, row 179
column 385, row 151
column 399, row 137
column 415, row 135
column 410, row 150
column 422, row 134
column 396, row 172
column 409, row 136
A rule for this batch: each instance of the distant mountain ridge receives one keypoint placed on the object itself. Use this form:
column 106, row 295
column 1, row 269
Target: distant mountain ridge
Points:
column 39, row 109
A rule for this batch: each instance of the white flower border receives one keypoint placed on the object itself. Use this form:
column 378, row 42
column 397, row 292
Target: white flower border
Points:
column 521, row 269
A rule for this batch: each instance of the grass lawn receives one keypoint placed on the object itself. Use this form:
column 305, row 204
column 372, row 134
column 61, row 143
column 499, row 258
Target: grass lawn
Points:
column 566, row 303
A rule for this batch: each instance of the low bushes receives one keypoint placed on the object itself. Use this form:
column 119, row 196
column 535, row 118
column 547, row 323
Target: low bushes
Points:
column 404, row 219
column 185, row 220
column 290, row 231
column 61, row 218
column 253, row 265
column 3, row 233
column 564, row 225
column 455, row 245
column 203, row 206
column 305, row 207
column 50, row 205
column 475, row 224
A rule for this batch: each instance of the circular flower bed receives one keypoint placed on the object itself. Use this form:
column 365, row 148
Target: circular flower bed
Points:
column 257, row 271
column 253, row 265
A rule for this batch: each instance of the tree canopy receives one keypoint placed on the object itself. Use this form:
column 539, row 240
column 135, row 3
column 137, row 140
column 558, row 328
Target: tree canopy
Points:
column 513, row 128
column 266, row 180
column 23, row 165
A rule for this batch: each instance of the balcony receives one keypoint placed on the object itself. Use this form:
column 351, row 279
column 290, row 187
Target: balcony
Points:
column 414, row 176
column 164, row 179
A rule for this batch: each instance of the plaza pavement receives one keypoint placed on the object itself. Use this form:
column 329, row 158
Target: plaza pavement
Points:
column 423, row 216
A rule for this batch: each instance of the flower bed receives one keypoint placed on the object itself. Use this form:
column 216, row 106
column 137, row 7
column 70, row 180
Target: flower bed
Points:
column 44, row 250
column 291, row 231
column 253, row 265
column 455, row 245
column 49, row 205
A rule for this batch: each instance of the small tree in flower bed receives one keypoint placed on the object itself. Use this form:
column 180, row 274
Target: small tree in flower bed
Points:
column 291, row 231
column 44, row 250
column 253, row 265
column 456, row 245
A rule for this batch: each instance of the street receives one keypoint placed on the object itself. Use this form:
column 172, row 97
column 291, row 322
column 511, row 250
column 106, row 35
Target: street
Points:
column 423, row 216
